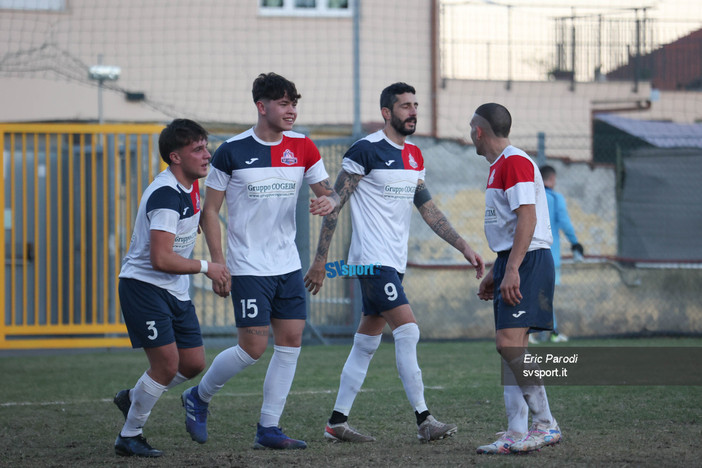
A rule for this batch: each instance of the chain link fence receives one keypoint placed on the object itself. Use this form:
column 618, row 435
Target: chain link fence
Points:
column 604, row 295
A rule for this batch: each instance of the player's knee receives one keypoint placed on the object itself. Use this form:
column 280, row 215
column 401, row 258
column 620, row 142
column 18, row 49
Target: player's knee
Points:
column 367, row 343
column 408, row 331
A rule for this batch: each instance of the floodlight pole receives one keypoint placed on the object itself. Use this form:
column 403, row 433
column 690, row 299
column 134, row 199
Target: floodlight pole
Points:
column 102, row 73
column 100, row 83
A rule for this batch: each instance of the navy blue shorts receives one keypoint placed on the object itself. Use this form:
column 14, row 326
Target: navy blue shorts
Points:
column 536, row 283
column 154, row 317
column 382, row 291
column 257, row 299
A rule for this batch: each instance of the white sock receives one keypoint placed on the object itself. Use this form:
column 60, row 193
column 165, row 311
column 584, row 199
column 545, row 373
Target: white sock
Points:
column 355, row 369
column 516, row 407
column 144, row 396
column 534, row 395
column 276, row 386
column 406, row 339
column 226, row 365
column 178, row 379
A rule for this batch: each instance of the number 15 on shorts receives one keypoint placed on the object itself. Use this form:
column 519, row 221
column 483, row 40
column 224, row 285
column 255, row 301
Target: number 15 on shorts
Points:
column 249, row 308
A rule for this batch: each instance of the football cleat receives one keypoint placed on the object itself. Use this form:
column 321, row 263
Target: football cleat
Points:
column 431, row 429
column 501, row 445
column 540, row 435
column 342, row 432
column 123, row 402
column 137, row 445
column 195, row 415
column 273, row 438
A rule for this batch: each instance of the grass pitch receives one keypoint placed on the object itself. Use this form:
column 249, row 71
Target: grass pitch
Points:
column 56, row 410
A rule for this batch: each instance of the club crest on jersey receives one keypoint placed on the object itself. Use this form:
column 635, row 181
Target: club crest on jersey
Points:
column 492, row 177
column 288, row 158
column 412, row 162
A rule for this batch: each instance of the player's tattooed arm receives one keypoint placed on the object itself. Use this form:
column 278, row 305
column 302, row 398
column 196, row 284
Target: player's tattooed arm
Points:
column 437, row 221
column 344, row 186
column 326, row 199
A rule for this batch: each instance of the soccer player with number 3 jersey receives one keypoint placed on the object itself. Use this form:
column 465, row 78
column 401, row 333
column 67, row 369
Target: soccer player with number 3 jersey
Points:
column 153, row 282
column 521, row 281
column 382, row 175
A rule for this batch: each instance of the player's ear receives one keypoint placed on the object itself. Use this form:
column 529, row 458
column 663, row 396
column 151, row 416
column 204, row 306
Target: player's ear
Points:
column 387, row 113
column 175, row 157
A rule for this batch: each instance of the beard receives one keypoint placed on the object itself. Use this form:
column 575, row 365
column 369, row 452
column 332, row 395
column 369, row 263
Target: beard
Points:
column 400, row 126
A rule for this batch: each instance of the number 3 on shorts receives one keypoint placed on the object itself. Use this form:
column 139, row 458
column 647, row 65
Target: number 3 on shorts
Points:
column 152, row 328
column 391, row 291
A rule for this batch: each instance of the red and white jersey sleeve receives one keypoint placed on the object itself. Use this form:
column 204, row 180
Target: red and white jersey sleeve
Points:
column 261, row 181
column 514, row 181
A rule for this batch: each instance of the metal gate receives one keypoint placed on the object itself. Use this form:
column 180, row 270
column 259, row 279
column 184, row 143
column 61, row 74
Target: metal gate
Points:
column 70, row 195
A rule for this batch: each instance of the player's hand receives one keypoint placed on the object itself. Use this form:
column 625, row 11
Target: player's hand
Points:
column 322, row 206
column 509, row 288
column 486, row 290
column 475, row 260
column 314, row 277
column 221, row 278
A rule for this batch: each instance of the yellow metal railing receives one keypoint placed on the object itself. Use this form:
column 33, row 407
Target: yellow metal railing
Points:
column 69, row 196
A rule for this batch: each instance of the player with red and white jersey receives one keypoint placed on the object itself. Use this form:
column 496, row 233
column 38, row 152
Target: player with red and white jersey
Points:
column 259, row 173
column 382, row 175
column 154, row 281
column 261, row 181
column 381, row 206
column 521, row 281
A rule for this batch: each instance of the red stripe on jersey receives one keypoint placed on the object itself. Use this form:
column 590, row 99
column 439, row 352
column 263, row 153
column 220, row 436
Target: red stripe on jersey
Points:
column 412, row 157
column 295, row 152
column 508, row 171
column 195, row 196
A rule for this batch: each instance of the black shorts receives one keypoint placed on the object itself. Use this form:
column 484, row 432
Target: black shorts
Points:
column 154, row 317
column 536, row 283
column 257, row 299
column 382, row 290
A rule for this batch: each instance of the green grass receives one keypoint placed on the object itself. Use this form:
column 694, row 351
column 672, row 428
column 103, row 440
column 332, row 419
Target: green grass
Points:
column 56, row 410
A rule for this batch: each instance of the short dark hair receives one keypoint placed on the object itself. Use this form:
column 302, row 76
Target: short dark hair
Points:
column 388, row 97
column 497, row 116
column 179, row 133
column 547, row 171
column 273, row 86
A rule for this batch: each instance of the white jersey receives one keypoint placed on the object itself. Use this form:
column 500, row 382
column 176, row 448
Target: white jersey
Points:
column 515, row 180
column 165, row 206
column 381, row 205
column 261, row 181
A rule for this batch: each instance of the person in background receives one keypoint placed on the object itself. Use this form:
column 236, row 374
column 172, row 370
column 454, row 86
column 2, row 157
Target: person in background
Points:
column 560, row 221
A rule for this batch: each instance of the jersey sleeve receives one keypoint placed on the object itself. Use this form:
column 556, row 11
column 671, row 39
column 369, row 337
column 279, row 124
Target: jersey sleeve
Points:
column 163, row 210
column 220, row 170
column 518, row 181
column 357, row 158
column 314, row 165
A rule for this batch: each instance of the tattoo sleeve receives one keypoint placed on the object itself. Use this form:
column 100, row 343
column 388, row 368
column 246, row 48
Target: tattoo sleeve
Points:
column 421, row 195
column 438, row 223
column 344, row 186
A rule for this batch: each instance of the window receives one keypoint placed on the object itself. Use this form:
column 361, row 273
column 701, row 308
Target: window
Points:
column 306, row 7
column 48, row 5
